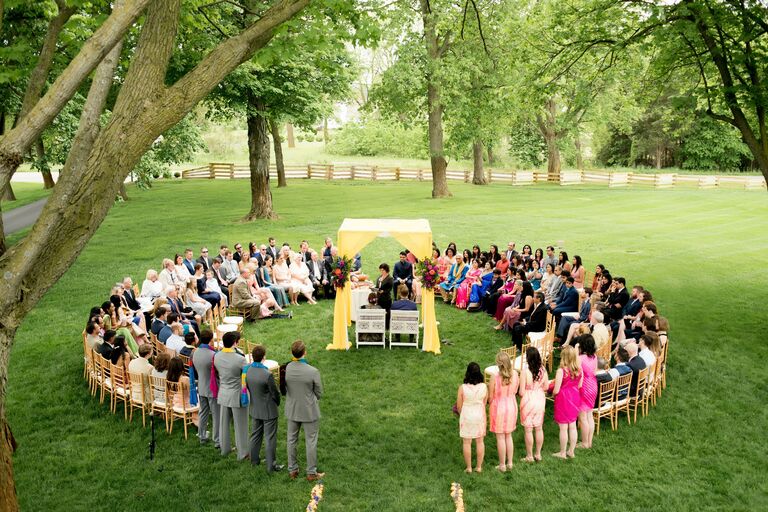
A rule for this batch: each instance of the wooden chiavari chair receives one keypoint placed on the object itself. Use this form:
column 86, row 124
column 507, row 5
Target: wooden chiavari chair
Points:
column 159, row 397
column 181, row 411
column 120, row 389
column 606, row 396
column 636, row 400
column 141, row 396
column 623, row 385
column 104, row 368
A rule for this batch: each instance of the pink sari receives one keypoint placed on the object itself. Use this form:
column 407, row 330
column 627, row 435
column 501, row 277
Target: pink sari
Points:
column 462, row 292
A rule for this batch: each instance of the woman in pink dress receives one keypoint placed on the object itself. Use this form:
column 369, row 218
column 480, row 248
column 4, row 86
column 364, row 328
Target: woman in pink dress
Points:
column 462, row 292
column 533, row 401
column 503, row 409
column 470, row 402
column 567, row 400
column 586, row 346
column 511, row 299
column 512, row 315
column 578, row 272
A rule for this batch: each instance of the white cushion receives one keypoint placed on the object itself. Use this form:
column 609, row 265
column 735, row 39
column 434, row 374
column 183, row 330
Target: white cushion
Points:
column 233, row 320
column 189, row 409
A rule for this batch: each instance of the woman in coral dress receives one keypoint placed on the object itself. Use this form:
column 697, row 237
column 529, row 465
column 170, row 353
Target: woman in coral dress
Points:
column 462, row 292
column 533, row 385
column 512, row 315
column 470, row 402
column 503, row 409
column 508, row 300
column 567, row 400
column 588, row 392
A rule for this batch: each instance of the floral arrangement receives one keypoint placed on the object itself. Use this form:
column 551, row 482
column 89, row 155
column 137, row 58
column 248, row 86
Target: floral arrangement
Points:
column 457, row 495
column 429, row 275
column 340, row 271
column 316, row 496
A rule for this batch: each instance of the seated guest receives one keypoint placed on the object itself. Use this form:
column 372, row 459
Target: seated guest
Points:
column 456, row 275
column 649, row 348
column 464, row 289
column 663, row 326
column 403, row 304
column 570, row 301
column 617, row 298
column 142, row 366
column 578, row 272
column 161, row 365
column 266, row 276
column 635, row 362
column 189, row 261
column 636, row 329
column 106, row 348
column 600, row 331
column 186, row 315
column 481, row 288
column 560, row 295
column 555, row 284
column 177, row 373
column 621, row 368
column 219, row 275
column 402, row 273
column 300, row 280
column 160, row 321
column 524, row 306
column 212, row 285
column 204, row 259
column 92, row 338
column 175, row 341
column 211, row 296
column 242, row 297
column 535, row 322
column 548, row 275
column 181, row 269
column 199, row 305
column 119, row 356
column 168, row 275
column 491, row 302
column 167, row 331
column 151, row 288
column 190, row 343
column 567, row 322
column 229, row 268
column 318, row 275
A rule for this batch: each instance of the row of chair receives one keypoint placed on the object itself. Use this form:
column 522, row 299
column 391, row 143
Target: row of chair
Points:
column 372, row 324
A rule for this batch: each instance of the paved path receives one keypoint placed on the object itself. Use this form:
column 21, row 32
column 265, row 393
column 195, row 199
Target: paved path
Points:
column 23, row 216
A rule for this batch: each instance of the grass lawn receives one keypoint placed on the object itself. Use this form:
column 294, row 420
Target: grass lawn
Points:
column 388, row 440
column 25, row 193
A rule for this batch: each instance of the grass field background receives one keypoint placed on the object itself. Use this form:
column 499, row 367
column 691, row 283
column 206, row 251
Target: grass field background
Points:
column 388, row 440
column 25, row 193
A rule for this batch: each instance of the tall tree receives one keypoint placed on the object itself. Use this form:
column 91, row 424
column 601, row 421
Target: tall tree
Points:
column 101, row 157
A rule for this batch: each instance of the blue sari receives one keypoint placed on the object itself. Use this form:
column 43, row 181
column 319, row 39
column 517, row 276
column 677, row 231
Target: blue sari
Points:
column 454, row 280
column 478, row 290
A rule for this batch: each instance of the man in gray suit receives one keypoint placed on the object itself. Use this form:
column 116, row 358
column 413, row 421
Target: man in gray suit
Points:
column 263, row 409
column 303, row 390
column 202, row 358
column 229, row 365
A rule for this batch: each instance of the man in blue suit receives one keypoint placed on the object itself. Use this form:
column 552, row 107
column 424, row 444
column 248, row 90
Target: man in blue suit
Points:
column 570, row 301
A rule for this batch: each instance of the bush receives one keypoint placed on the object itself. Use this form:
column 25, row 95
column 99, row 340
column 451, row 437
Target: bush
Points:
column 380, row 137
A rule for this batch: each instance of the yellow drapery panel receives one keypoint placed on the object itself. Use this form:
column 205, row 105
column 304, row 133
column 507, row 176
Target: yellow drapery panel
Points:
column 353, row 235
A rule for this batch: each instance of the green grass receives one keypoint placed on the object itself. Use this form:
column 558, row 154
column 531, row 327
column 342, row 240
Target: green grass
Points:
column 25, row 193
column 388, row 440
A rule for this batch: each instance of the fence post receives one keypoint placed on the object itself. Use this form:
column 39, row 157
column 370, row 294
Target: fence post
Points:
column 231, row 171
column 211, row 171
column 466, row 176
column 374, row 172
column 329, row 172
column 352, row 173
column 490, row 175
column 397, row 174
column 420, row 175
column 309, row 171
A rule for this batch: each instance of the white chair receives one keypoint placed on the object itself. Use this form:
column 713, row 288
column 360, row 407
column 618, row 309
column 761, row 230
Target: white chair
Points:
column 402, row 323
column 370, row 321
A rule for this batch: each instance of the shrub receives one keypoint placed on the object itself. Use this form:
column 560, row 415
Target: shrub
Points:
column 379, row 137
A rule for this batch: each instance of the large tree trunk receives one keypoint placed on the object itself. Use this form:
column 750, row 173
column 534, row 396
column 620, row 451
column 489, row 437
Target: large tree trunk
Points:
column 491, row 156
column 258, row 159
column 289, row 135
column 275, row 129
column 7, row 195
column 659, row 157
column 478, row 178
column 7, row 442
column 435, row 51
column 548, row 127
column 579, row 154
column 42, row 164
column 87, row 187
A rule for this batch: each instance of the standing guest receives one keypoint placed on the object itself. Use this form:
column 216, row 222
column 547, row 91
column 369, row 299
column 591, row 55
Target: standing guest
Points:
column 566, row 388
column 318, row 275
column 204, row 259
column 533, row 401
column 202, row 359
column 303, row 390
column 588, row 391
column 402, row 273
column 578, row 272
column 229, row 365
column 503, row 409
column 470, row 402
column 152, row 288
column 384, row 285
column 263, row 409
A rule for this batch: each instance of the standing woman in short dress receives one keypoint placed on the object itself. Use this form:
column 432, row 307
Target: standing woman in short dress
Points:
column 503, row 409
column 470, row 402
column 588, row 391
column 578, row 272
column 567, row 400
column 533, row 401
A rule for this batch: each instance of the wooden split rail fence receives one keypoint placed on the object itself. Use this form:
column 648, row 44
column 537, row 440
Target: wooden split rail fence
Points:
column 337, row 171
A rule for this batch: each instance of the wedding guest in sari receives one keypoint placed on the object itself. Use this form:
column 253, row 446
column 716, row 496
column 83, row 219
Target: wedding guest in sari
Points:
column 462, row 291
column 598, row 274
column 577, row 272
column 456, row 275
column 524, row 307
column 478, row 289
column 265, row 273
column 442, row 262
column 509, row 299
column 535, row 275
column 452, row 246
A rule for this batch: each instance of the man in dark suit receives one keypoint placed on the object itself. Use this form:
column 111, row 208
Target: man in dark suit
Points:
column 261, row 255
column 216, row 269
column 384, row 286
column 496, row 283
column 402, row 273
column 535, row 322
column 177, row 307
column 621, row 368
column 303, row 390
column 160, row 320
column 304, row 251
column 189, row 261
column 272, row 249
column 617, row 298
column 570, row 301
column 202, row 359
column 166, row 331
column 629, row 311
column 238, row 254
column 129, row 295
column 635, row 362
column 204, row 260
column 263, row 409
column 318, row 274
column 106, row 348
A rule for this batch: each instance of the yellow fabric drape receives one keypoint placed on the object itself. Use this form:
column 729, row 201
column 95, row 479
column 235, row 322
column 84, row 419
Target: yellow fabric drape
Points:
column 355, row 234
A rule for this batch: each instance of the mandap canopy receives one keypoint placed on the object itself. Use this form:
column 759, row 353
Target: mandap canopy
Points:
column 354, row 234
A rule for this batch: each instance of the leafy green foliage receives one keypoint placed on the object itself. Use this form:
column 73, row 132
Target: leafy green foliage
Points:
column 375, row 136
column 713, row 146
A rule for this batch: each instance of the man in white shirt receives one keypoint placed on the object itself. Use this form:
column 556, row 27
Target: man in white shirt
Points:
column 511, row 252
column 229, row 268
column 92, row 337
column 142, row 366
column 175, row 341
column 318, row 274
column 599, row 329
